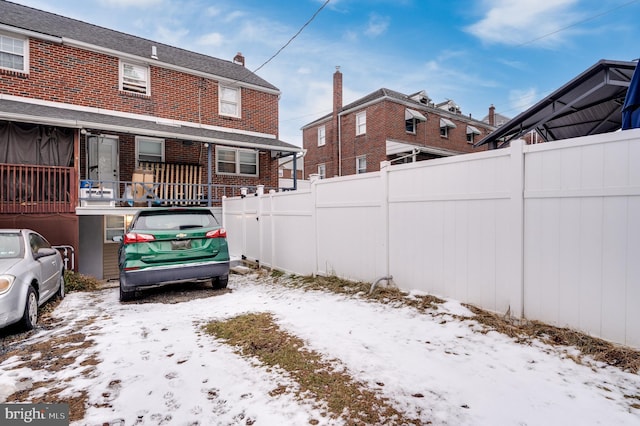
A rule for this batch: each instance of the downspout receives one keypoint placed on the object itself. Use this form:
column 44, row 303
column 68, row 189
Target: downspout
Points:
column 209, row 181
column 295, row 171
column 340, row 144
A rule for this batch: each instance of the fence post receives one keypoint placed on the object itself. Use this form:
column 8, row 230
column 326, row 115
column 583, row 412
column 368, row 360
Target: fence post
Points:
column 313, row 182
column 385, row 167
column 517, row 215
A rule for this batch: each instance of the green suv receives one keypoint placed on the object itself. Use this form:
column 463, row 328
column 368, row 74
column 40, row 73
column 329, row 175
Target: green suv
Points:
column 171, row 245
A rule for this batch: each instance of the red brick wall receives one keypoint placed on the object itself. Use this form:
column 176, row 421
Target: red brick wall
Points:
column 385, row 120
column 71, row 75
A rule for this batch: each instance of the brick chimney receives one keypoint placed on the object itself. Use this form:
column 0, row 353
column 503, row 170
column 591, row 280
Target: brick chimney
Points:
column 335, row 133
column 492, row 115
column 238, row 59
column 337, row 91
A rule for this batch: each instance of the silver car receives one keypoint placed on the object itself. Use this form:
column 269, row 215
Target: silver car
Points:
column 31, row 272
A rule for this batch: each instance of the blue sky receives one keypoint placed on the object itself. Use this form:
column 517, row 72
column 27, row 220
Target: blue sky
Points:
column 509, row 53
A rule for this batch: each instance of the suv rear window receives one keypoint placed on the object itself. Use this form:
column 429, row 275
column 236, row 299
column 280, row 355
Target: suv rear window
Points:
column 175, row 220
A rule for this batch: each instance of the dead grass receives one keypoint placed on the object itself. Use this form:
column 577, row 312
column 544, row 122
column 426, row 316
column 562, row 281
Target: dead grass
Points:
column 325, row 381
column 622, row 357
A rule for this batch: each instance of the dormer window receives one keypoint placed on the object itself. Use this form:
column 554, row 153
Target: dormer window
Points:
column 14, row 53
column 134, row 78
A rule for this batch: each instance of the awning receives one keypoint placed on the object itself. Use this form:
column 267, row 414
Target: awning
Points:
column 412, row 113
column 444, row 122
column 474, row 130
column 397, row 147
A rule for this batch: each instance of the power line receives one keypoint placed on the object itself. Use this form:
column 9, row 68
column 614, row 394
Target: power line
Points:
column 591, row 18
column 294, row 36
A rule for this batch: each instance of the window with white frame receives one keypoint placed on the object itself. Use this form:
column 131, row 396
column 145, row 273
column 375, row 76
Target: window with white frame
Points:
column 134, row 78
column 114, row 226
column 322, row 135
column 470, row 137
column 149, row 149
column 322, row 171
column 410, row 125
column 361, row 123
column 361, row 164
column 14, row 53
column 444, row 131
column 229, row 101
column 236, row 161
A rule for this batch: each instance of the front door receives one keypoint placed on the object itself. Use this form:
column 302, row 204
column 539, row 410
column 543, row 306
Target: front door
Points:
column 102, row 160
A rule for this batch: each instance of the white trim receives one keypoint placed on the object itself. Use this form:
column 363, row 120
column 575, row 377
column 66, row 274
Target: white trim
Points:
column 237, row 103
column 237, row 161
column 150, row 139
column 113, row 113
column 27, row 33
column 25, row 52
column 147, row 81
column 358, row 115
column 322, row 141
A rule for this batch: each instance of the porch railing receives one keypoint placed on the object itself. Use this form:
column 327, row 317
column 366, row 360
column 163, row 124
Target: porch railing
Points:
column 147, row 193
column 37, row 189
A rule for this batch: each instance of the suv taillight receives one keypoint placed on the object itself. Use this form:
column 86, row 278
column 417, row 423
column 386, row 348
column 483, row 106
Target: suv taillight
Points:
column 134, row 237
column 218, row 233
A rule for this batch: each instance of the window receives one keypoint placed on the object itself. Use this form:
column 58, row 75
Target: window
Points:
column 445, row 124
column 134, row 78
column 149, row 149
column 229, row 103
column 114, row 226
column 321, row 136
column 361, row 164
column 322, row 171
column 361, row 123
column 14, row 53
column 410, row 125
column 234, row 161
column 470, row 137
column 471, row 133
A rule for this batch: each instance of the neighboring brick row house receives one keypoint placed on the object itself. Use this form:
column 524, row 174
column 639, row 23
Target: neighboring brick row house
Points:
column 386, row 125
column 86, row 113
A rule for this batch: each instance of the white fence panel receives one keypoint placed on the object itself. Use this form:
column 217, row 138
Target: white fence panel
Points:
column 290, row 220
column 549, row 232
column 349, row 219
column 582, row 239
column 447, row 228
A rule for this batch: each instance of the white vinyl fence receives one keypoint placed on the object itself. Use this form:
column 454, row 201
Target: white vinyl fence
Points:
column 547, row 232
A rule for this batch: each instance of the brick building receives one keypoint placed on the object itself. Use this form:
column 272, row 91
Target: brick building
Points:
column 386, row 125
column 95, row 123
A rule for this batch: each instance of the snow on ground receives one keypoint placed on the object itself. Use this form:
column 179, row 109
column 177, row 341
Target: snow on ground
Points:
column 158, row 367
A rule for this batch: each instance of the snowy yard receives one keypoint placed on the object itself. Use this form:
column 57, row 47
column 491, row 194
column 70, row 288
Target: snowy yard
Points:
column 153, row 364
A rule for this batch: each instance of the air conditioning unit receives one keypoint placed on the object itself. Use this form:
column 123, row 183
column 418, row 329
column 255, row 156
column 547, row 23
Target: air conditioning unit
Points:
column 96, row 197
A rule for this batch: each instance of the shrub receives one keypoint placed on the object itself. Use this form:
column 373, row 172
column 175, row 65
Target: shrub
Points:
column 74, row 281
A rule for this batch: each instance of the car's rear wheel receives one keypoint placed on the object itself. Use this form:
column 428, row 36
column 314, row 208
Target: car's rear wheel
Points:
column 125, row 295
column 60, row 293
column 30, row 316
column 220, row 282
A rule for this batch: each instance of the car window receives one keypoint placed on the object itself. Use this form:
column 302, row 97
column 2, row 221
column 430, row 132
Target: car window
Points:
column 37, row 242
column 175, row 221
column 10, row 245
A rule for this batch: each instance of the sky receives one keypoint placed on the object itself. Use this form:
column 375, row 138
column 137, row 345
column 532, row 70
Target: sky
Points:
column 509, row 53
column 158, row 367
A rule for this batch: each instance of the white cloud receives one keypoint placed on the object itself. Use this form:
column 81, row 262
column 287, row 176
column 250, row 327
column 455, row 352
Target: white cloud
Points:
column 234, row 16
column 212, row 11
column 514, row 22
column 131, row 3
column 522, row 99
column 377, row 25
column 211, row 39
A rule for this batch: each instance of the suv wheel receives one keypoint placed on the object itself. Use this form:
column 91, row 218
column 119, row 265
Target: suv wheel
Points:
column 125, row 295
column 220, row 282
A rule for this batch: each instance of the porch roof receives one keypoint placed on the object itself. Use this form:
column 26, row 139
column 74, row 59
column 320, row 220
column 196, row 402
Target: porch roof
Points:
column 12, row 110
